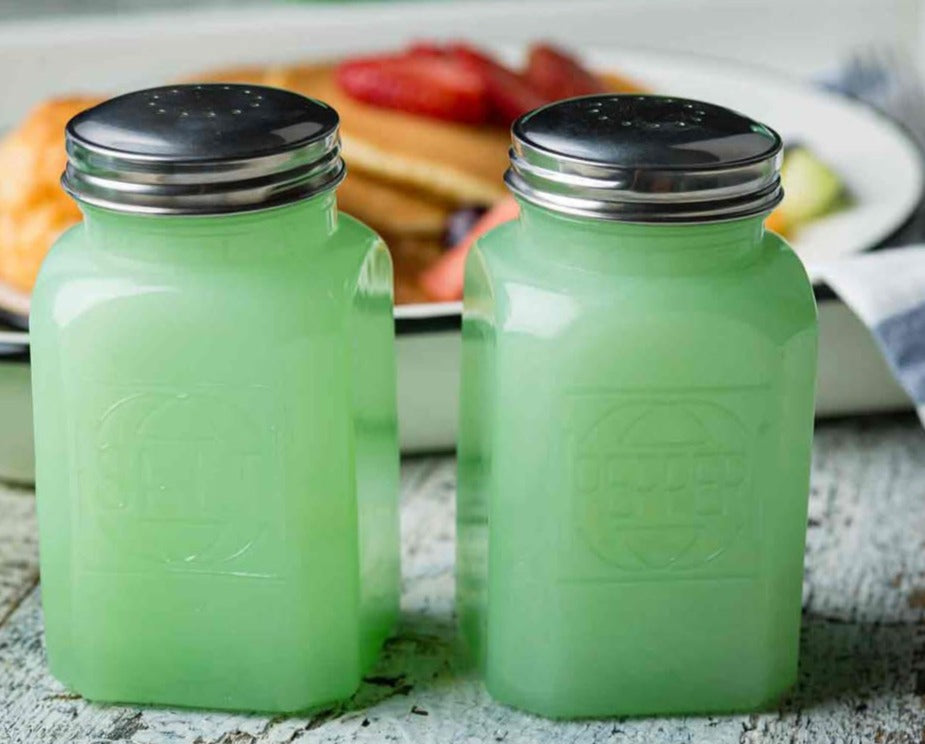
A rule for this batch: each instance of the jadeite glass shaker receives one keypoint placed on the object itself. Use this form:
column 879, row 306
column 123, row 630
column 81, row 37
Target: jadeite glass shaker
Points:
column 639, row 361
column 213, row 373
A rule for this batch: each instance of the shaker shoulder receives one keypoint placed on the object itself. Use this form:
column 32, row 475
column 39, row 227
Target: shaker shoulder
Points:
column 789, row 262
column 367, row 254
column 493, row 249
column 352, row 232
column 64, row 261
column 64, row 255
column 788, row 285
column 488, row 264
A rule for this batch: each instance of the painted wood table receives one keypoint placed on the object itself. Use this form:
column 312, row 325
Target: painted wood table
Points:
column 862, row 667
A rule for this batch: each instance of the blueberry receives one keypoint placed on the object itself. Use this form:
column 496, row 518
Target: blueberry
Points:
column 459, row 223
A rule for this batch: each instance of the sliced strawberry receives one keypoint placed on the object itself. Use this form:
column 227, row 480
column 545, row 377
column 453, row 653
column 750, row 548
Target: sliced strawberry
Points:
column 443, row 88
column 443, row 281
column 509, row 94
column 557, row 74
column 427, row 49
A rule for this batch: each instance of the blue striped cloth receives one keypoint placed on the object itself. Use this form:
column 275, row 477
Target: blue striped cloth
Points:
column 886, row 289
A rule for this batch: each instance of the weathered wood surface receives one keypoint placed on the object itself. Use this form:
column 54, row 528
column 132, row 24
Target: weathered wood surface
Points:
column 19, row 571
column 862, row 675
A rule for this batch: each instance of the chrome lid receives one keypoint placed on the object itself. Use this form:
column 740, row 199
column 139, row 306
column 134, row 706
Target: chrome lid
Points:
column 202, row 149
column 650, row 159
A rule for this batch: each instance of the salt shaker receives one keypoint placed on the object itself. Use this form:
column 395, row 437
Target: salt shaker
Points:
column 639, row 360
column 213, row 373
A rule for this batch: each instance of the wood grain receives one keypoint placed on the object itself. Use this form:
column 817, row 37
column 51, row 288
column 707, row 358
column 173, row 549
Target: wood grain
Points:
column 862, row 672
column 19, row 570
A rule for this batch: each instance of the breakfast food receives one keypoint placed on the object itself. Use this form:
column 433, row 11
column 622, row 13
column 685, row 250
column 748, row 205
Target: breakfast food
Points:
column 443, row 280
column 425, row 137
column 430, row 85
column 392, row 211
column 811, row 190
column 452, row 161
column 33, row 208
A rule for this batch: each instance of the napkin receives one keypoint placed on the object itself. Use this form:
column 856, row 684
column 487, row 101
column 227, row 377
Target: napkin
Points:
column 886, row 290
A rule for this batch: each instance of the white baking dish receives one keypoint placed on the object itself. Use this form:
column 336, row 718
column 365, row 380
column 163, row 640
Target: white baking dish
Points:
column 853, row 378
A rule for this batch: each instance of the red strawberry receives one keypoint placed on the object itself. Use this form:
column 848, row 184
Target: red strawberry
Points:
column 427, row 49
column 558, row 75
column 426, row 85
column 443, row 281
column 509, row 94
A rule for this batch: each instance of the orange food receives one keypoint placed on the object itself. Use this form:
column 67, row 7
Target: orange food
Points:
column 621, row 84
column 776, row 222
column 34, row 209
column 454, row 162
column 390, row 210
column 408, row 171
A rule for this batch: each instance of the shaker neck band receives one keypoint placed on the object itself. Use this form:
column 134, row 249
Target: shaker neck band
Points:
column 648, row 159
column 625, row 247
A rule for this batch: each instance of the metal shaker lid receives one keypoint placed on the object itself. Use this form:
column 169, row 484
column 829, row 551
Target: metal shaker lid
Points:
column 202, row 149
column 650, row 159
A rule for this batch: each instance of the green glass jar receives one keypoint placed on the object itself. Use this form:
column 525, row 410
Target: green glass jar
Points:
column 636, row 418
column 213, row 374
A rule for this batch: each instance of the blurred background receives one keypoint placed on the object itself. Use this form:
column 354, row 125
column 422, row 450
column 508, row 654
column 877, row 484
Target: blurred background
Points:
column 803, row 38
column 840, row 80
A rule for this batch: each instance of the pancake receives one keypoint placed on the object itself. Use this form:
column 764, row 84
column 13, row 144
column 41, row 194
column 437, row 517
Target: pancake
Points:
column 406, row 171
column 455, row 162
column 411, row 256
column 390, row 209
column 34, row 210
column 620, row 84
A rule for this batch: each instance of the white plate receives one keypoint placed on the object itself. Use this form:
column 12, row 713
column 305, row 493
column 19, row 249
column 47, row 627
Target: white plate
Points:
column 877, row 160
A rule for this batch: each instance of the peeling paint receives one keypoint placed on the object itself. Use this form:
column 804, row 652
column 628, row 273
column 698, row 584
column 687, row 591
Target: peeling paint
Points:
column 862, row 664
